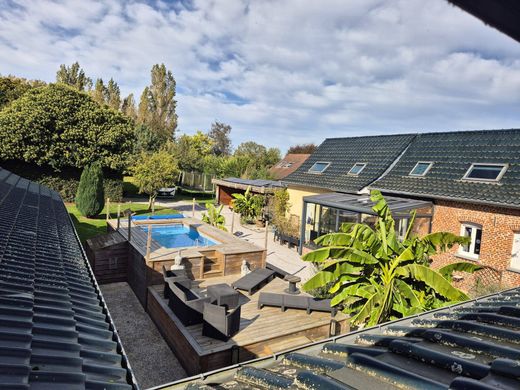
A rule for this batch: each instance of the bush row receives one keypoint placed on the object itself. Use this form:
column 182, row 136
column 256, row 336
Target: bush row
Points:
column 65, row 182
column 68, row 187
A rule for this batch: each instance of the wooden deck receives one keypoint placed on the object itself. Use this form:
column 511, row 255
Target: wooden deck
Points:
column 262, row 332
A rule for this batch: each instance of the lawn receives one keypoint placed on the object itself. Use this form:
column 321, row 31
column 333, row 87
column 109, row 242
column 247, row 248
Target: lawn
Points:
column 91, row 227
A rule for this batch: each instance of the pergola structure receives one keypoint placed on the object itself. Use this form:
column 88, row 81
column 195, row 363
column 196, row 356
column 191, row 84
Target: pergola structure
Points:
column 324, row 213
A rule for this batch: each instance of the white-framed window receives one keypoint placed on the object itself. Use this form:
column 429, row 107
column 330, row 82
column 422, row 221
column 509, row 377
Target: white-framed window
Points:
column 515, row 253
column 472, row 249
column 421, row 168
column 357, row 168
column 319, row 167
column 485, row 172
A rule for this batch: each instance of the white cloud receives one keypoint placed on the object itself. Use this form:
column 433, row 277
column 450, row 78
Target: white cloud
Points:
column 283, row 72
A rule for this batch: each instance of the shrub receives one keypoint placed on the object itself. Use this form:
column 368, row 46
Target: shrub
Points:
column 90, row 198
column 66, row 181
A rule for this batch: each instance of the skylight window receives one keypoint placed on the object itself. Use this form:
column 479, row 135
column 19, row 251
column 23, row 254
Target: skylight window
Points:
column 319, row 167
column 485, row 172
column 356, row 169
column 421, row 168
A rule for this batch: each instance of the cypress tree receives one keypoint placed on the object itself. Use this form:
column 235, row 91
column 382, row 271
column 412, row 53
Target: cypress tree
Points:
column 90, row 198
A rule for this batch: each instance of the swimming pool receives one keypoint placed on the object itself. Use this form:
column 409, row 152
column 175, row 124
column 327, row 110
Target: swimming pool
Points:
column 178, row 236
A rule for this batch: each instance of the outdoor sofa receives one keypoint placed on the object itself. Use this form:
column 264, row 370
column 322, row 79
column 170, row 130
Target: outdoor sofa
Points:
column 219, row 323
column 185, row 304
column 288, row 301
column 174, row 276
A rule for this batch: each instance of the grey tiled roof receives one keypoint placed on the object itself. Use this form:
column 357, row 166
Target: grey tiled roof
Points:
column 452, row 154
column 475, row 345
column 378, row 152
column 55, row 330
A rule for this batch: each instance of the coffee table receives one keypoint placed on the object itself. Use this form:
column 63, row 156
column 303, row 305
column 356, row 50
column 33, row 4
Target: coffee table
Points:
column 223, row 295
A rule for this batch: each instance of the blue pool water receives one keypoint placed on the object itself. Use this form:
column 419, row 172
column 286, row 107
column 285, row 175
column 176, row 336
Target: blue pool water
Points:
column 178, row 236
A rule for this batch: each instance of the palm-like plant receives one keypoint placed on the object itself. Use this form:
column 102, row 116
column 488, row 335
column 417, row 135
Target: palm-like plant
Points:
column 214, row 217
column 376, row 277
column 248, row 205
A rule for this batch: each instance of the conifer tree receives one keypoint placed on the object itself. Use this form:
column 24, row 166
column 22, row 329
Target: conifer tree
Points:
column 90, row 198
column 74, row 76
column 128, row 106
column 113, row 95
column 157, row 106
column 99, row 93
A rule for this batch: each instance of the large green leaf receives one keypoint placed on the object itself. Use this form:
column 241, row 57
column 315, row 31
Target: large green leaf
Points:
column 321, row 279
column 435, row 281
column 334, row 239
column 348, row 254
column 442, row 241
column 408, row 293
column 462, row 266
column 371, row 305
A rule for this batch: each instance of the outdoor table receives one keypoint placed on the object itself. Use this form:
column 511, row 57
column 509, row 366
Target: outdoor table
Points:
column 292, row 279
column 223, row 295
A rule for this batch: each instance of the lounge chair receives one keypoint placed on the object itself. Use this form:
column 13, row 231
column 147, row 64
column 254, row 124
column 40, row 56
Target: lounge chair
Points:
column 220, row 324
column 253, row 280
column 186, row 305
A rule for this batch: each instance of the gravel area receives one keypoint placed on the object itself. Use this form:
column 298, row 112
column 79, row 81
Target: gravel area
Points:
column 151, row 359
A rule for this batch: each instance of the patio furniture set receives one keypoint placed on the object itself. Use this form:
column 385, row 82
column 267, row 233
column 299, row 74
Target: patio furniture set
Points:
column 219, row 308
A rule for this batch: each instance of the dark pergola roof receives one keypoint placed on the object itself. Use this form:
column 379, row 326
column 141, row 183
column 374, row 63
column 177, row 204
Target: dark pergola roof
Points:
column 362, row 203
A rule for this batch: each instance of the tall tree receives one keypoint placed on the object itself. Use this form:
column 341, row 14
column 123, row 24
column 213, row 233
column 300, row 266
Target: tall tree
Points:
column 153, row 171
column 191, row 150
column 11, row 88
column 59, row 126
column 157, row 106
column 128, row 106
column 302, row 149
column 113, row 95
column 219, row 133
column 99, row 92
column 74, row 76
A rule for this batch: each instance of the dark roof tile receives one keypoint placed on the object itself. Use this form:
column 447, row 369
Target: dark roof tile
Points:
column 452, row 154
column 377, row 152
column 54, row 330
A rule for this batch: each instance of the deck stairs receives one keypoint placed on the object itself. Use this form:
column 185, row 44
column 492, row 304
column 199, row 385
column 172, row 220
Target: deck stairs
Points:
column 213, row 264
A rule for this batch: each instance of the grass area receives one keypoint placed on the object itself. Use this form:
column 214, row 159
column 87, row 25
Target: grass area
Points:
column 130, row 190
column 91, row 227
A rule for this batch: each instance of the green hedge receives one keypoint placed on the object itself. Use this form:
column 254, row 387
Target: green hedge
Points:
column 65, row 182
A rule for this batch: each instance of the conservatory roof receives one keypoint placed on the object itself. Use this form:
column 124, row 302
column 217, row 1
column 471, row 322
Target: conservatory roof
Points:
column 362, row 203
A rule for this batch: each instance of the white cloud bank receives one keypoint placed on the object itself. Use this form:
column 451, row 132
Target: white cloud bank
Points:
column 283, row 72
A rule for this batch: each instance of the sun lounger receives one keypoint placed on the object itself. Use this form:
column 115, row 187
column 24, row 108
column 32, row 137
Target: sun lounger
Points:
column 253, row 280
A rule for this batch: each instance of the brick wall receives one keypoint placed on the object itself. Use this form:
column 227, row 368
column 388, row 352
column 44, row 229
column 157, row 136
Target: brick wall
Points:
column 498, row 227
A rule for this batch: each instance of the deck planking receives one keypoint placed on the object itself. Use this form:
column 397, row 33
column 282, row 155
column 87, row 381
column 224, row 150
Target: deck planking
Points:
column 262, row 325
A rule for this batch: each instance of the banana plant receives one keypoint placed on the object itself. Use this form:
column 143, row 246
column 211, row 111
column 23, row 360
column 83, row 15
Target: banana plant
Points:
column 248, row 205
column 214, row 217
column 375, row 277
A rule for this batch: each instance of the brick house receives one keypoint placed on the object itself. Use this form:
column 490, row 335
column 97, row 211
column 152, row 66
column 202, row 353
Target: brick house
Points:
column 473, row 179
column 466, row 182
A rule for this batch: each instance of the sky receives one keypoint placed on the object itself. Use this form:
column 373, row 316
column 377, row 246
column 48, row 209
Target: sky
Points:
column 282, row 72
